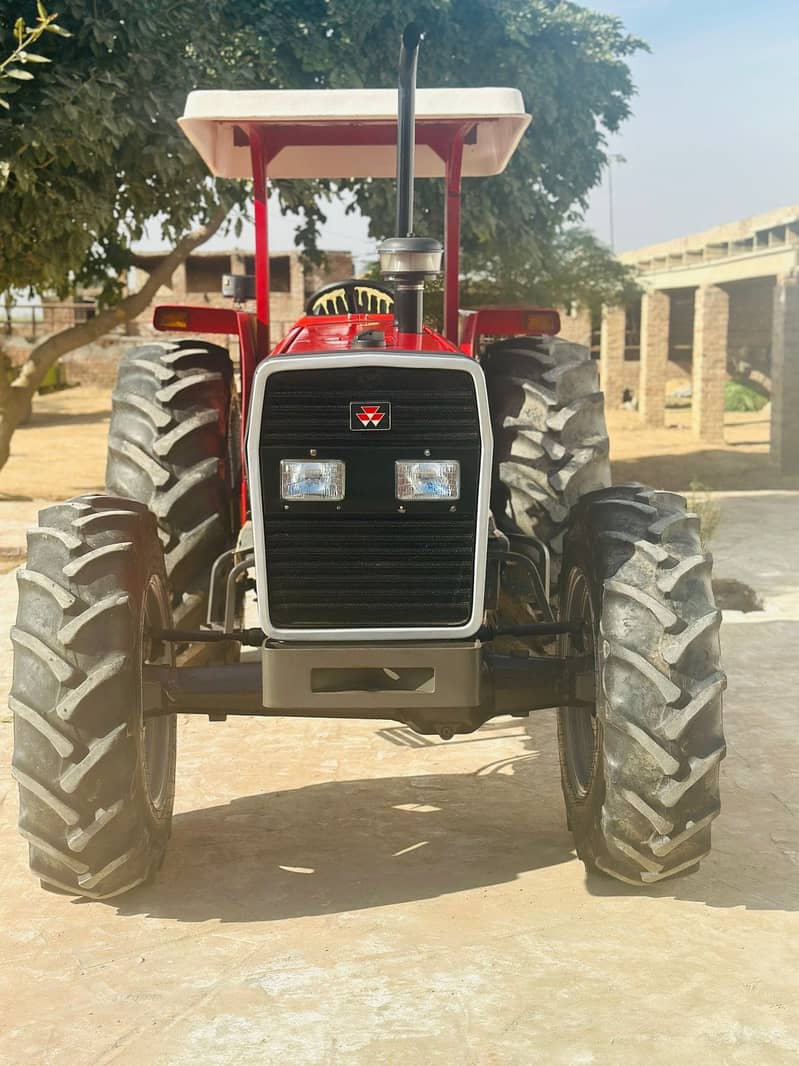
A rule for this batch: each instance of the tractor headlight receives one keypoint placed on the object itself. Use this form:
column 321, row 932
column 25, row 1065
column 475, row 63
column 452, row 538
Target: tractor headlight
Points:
column 427, row 479
column 302, row 479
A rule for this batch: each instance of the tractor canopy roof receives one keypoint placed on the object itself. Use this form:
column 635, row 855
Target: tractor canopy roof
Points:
column 352, row 133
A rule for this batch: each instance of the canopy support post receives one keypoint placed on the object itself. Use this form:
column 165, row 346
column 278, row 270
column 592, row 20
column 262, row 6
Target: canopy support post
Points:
column 452, row 235
column 258, row 156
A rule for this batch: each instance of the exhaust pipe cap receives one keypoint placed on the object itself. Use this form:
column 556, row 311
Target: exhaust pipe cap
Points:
column 410, row 258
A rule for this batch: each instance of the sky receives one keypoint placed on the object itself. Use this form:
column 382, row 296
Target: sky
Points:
column 714, row 134
column 715, row 131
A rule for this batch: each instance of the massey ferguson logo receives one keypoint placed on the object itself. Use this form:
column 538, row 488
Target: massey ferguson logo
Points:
column 370, row 416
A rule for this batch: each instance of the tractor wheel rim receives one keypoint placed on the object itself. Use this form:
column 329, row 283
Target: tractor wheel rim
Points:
column 155, row 732
column 579, row 725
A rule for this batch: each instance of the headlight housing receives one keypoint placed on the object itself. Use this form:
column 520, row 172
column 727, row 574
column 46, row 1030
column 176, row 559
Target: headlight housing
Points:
column 427, row 479
column 312, row 479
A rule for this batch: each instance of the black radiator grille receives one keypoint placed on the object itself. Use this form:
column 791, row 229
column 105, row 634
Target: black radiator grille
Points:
column 364, row 563
column 438, row 408
column 370, row 572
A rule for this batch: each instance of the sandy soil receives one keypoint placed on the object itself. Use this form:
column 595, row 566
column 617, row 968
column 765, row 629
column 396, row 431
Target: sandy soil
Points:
column 670, row 458
column 350, row 893
column 61, row 451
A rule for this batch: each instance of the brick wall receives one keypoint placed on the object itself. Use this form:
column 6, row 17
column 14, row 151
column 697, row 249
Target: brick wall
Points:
column 711, row 319
column 611, row 358
column 575, row 325
column 654, row 357
column 290, row 288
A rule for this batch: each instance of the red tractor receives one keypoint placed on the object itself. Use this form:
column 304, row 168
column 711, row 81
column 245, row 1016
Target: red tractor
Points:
column 428, row 518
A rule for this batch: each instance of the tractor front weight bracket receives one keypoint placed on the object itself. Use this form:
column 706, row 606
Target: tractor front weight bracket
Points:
column 435, row 688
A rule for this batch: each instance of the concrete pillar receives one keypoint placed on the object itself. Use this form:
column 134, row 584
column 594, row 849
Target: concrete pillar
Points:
column 711, row 314
column 785, row 375
column 611, row 355
column 655, row 308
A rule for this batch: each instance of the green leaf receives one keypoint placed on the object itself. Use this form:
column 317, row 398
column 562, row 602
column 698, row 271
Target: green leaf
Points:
column 19, row 29
column 31, row 57
column 19, row 74
column 53, row 27
column 5, row 104
column 41, row 10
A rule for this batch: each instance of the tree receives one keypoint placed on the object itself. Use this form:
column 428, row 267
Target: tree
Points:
column 567, row 266
column 91, row 150
column 16, row 395
column 570, row 64
column 13, row 68
column 518, row 229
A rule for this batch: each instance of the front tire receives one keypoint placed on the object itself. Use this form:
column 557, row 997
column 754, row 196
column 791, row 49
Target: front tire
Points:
column 96, row 782
column 641, row 776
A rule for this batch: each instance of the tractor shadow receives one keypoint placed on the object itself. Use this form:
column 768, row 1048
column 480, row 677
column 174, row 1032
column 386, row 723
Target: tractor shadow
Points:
column 349, row 845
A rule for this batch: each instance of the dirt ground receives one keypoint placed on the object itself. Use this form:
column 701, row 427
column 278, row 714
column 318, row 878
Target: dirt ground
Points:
column 61, row 451
column 350, row 893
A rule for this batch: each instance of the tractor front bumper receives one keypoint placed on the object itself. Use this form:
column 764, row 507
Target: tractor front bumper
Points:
column 442, row 688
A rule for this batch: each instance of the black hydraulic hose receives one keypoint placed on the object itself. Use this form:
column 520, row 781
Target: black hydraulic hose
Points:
column 531, row 629
column 253, row 638
column 406, row 127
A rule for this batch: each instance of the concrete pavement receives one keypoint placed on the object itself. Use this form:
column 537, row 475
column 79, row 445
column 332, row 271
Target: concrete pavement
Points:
column 352, row 893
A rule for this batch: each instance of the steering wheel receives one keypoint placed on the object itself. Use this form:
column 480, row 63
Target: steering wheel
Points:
column 358, row 296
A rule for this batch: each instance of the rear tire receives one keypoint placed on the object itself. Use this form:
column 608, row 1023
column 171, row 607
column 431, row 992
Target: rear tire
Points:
column 96, row 783
column 641, row 776
column 550, row 437
column 170, row 447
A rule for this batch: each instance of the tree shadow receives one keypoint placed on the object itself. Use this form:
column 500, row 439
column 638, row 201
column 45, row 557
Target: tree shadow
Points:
column 45, row 419
column 717, row 468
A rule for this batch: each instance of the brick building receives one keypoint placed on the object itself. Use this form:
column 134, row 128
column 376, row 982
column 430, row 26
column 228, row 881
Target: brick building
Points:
column 726, row 296
column 199, row 280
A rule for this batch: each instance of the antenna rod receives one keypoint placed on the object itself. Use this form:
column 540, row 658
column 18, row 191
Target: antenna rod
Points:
column 406, row 127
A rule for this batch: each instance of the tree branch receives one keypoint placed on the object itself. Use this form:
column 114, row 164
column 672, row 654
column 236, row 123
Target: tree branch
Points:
column 45, row 354
column 15, row 398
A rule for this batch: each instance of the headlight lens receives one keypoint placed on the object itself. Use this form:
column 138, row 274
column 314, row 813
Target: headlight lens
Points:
column 313, row 479
column 427, row 479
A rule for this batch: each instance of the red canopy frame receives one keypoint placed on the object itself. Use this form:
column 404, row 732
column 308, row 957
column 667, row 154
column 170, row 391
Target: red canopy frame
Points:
column 445, row 138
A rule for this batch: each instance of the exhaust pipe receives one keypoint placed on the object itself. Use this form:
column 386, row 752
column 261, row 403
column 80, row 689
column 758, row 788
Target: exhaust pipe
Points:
column 407, row 260
column 406, row 127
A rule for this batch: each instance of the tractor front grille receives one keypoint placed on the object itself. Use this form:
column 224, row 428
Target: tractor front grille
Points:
column 367, row 562
column 428, row 406
column 370, row 571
